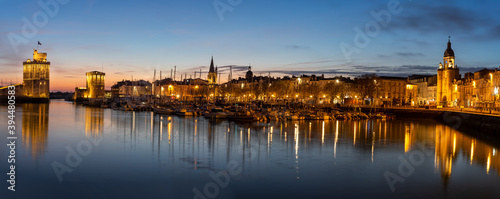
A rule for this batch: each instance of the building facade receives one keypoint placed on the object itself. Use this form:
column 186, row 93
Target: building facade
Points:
column 447, row 74
column 426, row 85
column 36, row 76
column 127, row 88
column 95, row 84
column 391, row 90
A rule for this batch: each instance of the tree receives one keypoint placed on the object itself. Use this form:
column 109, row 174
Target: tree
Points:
column 366, row 85
column 335, row 89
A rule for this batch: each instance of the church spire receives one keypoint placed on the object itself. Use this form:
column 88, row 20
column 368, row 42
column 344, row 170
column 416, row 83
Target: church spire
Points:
column 212, row 66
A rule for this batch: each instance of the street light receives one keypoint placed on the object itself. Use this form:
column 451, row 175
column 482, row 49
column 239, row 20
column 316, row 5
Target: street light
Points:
column 495, row 91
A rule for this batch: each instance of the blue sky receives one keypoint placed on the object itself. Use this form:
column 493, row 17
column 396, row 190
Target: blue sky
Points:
column 132, row 38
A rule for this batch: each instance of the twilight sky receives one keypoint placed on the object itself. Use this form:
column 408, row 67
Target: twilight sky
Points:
column 285, row 37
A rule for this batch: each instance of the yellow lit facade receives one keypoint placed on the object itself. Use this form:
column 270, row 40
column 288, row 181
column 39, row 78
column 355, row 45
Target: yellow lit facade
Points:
column 36, row 76
column 391, row 90
column 448, row 74
column 412, row 94
column 95, row 84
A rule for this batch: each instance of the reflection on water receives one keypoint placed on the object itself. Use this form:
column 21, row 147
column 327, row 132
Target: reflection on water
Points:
column 202, row 143
column 450, row 144
column 94, row 121
column 299, row 157
column 35, row 128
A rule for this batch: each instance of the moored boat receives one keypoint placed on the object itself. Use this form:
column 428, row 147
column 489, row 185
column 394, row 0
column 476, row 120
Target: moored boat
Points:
column 216, row 113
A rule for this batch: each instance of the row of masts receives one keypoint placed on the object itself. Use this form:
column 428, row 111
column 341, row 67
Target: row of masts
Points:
column 174, row 71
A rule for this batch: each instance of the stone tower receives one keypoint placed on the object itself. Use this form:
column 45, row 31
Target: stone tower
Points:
column 447, row 73
column 36, row 76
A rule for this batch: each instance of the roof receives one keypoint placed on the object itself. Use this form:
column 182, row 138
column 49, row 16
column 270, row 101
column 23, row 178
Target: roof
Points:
column 449, row 52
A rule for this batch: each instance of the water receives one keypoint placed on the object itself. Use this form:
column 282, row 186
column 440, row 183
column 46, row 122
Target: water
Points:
column 116, row 154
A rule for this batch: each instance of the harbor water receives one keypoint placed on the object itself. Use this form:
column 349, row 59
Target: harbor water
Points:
column 65, row 150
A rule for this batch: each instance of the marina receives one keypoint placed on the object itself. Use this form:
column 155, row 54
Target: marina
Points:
column 298, row 158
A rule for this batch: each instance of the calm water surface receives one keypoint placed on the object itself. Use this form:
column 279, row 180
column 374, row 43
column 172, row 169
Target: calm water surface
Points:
column 116, row 154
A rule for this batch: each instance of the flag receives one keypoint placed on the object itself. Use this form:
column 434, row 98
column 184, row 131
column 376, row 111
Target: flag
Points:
column 39, row 43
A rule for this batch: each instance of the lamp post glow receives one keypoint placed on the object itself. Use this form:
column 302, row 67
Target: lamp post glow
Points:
column 495, row 93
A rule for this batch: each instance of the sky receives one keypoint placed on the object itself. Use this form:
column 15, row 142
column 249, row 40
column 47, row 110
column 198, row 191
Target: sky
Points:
column 130, row 38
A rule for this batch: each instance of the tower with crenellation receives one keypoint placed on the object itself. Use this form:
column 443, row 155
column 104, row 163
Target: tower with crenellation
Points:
column 36, row 76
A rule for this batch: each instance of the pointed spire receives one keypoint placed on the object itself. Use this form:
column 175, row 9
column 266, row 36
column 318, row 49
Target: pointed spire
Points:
column 211, row 70
column 449, row 42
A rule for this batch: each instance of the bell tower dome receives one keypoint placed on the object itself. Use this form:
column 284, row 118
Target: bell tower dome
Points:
column 449, row 56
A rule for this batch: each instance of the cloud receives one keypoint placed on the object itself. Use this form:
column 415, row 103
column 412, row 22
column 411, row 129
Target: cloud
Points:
column 124, row 72
column 415, row 41
column 297, row 47
column 315, row 62
column 235, row 68
column 446, row 19
column 432, row 18
column 470, row 69
column 357, row 70
column 408, row 54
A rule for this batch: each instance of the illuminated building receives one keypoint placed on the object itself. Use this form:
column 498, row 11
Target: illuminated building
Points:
column 127, row 88
column 411, row 94
column 36, row 76
column 426, row 85
column 95, row 84
column 391, row 90
column 448, row 73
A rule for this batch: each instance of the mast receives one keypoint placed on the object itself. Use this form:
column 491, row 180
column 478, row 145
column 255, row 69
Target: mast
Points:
column 154, row 78
column 175, row 71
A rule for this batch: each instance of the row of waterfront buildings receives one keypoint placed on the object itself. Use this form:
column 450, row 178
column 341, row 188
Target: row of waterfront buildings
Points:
column 447, row 88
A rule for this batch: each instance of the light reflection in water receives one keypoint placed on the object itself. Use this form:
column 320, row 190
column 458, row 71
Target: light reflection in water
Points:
column 445, row 140
column 323, row 132
column 407, row 138
column 35, row 128
column 296, row 140
column 94, row 122
column 195, row 143
column 336, row 139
